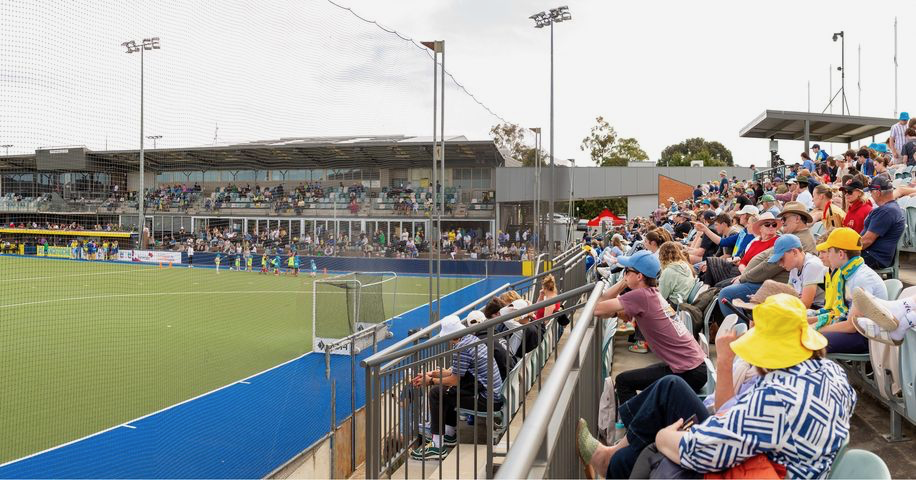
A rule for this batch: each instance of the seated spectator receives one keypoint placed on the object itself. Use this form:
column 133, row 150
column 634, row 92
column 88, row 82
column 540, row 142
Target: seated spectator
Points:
column 883, row 227
column 768, row 204
column 708, row 238
column 469, row 368
column 682, row 225
column 864, row 163
column 765, row 230
column 676, row 279
column 803, row 195
column 790, row 356
column 825, row 210
column 669, row 338
column 806, row 271
column 857, row 206
column 848, row 271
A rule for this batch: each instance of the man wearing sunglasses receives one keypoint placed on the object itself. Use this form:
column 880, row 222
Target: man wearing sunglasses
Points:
column 668, row 337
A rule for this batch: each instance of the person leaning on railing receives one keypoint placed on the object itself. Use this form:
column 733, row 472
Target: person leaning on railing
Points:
column 469, row 369
column 763, row 428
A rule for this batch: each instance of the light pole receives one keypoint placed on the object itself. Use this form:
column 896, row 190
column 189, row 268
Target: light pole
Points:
column 153, row 138
column 541, row 20
column 537, row 188
column 437, row 184
column 7, row 147
column 842, row 68
column 132, row 47
column 570, row 227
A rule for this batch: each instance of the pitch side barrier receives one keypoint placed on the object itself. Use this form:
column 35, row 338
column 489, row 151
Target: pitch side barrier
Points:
column 394, row 409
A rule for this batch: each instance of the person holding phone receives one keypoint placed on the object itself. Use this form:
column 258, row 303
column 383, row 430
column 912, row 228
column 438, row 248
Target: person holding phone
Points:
column 790, row 356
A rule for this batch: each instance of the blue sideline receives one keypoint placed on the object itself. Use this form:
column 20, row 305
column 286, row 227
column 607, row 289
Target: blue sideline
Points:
column 245, row 430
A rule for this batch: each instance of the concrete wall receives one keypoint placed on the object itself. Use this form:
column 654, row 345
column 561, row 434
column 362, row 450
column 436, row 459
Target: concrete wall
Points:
column 641, row 205
column 516, row 184
column 133, row 181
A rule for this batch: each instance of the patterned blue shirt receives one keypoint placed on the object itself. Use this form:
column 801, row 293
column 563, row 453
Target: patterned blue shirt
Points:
column 474, row 360
column 798, row 417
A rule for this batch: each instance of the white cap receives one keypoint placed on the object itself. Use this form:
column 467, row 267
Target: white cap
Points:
column 508, row 309
column 449, row 325
column 520, row 304
column 749, row 210
column 474, row 316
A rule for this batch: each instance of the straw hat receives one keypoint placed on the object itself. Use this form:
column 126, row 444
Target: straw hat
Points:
column 767, row 290
column 797, row 208
column 761, row 219
column 781, row 336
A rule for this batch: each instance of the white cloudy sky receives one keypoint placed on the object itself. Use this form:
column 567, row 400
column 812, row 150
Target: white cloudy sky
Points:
column 658, row 71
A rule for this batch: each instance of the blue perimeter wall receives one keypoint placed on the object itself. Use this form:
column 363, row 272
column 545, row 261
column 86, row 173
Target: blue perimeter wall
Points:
column 244, row 430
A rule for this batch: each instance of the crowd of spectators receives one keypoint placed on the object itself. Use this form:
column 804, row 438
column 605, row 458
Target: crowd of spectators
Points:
column 794, row 264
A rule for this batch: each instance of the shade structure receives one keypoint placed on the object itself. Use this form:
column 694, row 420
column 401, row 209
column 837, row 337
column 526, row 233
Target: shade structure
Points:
column 605, row 214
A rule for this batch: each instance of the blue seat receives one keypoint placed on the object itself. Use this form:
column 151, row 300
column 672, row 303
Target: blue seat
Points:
column 855, row 463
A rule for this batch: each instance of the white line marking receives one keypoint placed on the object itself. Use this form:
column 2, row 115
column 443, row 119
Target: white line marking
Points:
column 201, row 395
column 245, row 383
column 129, row 426
column 124, row 295
column 28, row 279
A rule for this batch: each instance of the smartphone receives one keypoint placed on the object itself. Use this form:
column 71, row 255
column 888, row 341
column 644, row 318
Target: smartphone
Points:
column 689, row 422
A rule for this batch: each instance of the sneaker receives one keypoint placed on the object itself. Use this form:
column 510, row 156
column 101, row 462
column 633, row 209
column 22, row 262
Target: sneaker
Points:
column 447, row 440
column 626, row 328
column 428, row 451
column 872, row 309
column 639, row 347
column 869, row 329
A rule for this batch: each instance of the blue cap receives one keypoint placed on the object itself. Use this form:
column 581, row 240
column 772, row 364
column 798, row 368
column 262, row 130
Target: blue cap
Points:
column 643, row 262
column 881, row 147
column 904, row 116
column 783, row 244
column 706, row 201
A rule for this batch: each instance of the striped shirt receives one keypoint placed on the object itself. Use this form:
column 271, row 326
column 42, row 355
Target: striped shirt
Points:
column 474, row 360
column 898, row 133
column 798, row 417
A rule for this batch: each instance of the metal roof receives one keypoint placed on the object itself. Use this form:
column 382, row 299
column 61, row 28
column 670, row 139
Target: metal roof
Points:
column 395, row 151
column 823, row 127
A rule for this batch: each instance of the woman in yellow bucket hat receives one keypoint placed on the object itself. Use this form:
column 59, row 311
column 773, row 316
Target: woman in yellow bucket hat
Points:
column 798, row 388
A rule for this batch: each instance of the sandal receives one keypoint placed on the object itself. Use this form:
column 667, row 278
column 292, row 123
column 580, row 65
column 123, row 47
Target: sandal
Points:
column 639, row 347
column 872, row 309
column 586, row 445
column 626, row 328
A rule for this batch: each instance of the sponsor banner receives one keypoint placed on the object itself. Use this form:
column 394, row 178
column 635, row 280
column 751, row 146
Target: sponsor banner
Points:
column 149, row 256
column 56, row 252
column 361, row 343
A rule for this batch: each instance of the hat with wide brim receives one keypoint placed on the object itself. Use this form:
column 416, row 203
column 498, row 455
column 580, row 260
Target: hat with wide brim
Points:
column 761, row 219
column 767, row 290
column 781, row 336
column 798, row 209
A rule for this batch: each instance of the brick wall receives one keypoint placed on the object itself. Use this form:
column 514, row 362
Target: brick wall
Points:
column 669, row 187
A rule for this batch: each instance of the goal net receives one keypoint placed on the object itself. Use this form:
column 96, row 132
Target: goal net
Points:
column 348, row 303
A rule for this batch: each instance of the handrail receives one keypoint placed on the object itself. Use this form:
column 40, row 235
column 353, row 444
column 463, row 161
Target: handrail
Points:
column 387, row 355
column 565, row 265
column 429, row 328
column 529, row 439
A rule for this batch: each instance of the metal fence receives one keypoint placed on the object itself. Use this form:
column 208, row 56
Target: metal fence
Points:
column 396, row 411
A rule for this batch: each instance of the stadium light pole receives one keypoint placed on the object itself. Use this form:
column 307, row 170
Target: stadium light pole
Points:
column 153, row 138
column 537, row 188
column 435, row 217
column 7, row 147
column 132, row 47
column 541, row 20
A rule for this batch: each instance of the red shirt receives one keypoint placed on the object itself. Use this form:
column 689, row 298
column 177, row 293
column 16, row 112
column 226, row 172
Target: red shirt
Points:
column 855, row 215
column 756, row 247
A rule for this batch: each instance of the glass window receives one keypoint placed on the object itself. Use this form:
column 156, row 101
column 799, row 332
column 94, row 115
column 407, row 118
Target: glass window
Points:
column 212, row 176
column 196, row 177
column 318, row 175
column 245, row 176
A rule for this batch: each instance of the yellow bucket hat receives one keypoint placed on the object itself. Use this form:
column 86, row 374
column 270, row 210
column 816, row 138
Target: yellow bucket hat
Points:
column 781, row 336
column 843, row 238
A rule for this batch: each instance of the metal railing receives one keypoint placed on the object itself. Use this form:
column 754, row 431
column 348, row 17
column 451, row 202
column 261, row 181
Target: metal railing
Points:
column 396, row 410
column 545, row 446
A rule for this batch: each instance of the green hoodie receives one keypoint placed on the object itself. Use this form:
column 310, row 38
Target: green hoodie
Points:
column 675, row 282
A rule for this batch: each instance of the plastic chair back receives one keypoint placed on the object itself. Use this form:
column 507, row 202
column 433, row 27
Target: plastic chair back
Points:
column 894, row 287
column 856, row 463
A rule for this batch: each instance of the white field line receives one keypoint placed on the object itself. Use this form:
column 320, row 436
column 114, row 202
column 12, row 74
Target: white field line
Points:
column 125, row 424
column 124, row 295
column 28, row 279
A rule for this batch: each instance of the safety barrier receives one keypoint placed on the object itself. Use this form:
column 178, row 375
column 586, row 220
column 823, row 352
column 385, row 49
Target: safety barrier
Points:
column 395, row 410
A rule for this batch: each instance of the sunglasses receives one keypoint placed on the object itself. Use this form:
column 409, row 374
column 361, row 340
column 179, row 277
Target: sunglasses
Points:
column 629, row 270
column 769, row 225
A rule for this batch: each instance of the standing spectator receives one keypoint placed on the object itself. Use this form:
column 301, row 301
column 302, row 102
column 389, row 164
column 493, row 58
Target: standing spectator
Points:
column 819, row 155
column 723, row 182
column 909, row 148
column 883, row 227
column 697, row 193
column 898, row 137
column 857, row 207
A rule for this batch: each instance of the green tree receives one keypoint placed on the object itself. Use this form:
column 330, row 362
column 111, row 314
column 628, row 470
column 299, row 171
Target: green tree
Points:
column 511, row 138
column 600, row 143
column 712, row 154
column 625, row 150
column 589, row 209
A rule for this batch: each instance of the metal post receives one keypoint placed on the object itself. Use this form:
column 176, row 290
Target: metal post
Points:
column 432, row 235
column 142, row 192
column 807, row 134
column 333, row 424
column 895, row 67
column 441, row 45
column 552, row 169
column 353, row 401
column 859, row 83
column 843, row 73
column 829, row 90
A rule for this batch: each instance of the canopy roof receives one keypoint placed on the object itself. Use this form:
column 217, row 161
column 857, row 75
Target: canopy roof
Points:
column 605, row 214
column 822, row 127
